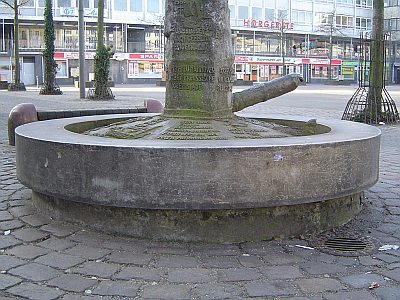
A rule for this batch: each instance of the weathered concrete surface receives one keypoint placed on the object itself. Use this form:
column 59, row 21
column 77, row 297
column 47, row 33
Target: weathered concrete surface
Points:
column 216, row 226
column 164, row 174
column 199, row 59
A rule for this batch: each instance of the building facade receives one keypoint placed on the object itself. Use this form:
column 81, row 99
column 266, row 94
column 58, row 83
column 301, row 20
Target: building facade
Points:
column 392, row 28
column 270, row 37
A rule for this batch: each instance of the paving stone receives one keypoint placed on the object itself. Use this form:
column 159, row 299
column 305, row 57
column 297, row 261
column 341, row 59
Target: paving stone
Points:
column 35, row 272
column 269, row 288
column 7, row 262
column 59, row 260
column 348, row 261
column 394, row 210
column 29, row 234
column 393, row 274
column 36, row 220
column 7, row 241
column 250, row 261
column 282, row 272
column 35, row 292
column 220, row 262
column 91, row 238
column 99, row 269
column 27, row 251
column 352, row 295
column 7, row 281
column 166, row 292
column 87, row 252
column 240, row 274
column 281, row 259
column 21, row 211
column 362, row 281
column 10, row 225
column 177, row 261
column 319, row 285
column 369, row 261
column 72, row 282
column 193, row 275
column 59, row 230
column 3, row 206
column 140, row 273
column 168, row 250
column 125, row 257
column 57, row 244
column 388, row 293
column 216, row 291
column 316, row 268
column 116, row 288
column 124, row 244
column 91, row 297
column 388, row 258
column 5, row 216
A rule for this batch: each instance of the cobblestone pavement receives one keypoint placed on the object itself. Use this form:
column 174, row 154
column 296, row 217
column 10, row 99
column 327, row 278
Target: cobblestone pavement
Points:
column 44, row 259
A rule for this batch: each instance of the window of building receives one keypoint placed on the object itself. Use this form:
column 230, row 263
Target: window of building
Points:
column 324, row 1
column 86, row 3
column 324, row 18
column 344, row 21
column 363, row 23
column 256, row 13
column 243, row 12
column 270, row 3
column 40, row 3
column 270, row 14
column 64, row 3
column 301, row 17
column 29, row 3
column 153, row 6
column 120, row 5
column 136, row 5
column 282, row 14
column 364, row 3
column 348, row 2
column 232, row 11
column 392, row 24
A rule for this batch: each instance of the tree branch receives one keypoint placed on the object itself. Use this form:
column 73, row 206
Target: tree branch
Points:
column 6, row 3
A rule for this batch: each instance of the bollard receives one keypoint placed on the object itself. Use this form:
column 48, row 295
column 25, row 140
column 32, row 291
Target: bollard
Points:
column 21, row 114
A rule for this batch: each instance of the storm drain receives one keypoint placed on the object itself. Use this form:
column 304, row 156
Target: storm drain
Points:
column 346, row 246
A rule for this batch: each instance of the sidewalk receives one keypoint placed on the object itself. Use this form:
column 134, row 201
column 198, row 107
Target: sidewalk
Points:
column 44, row 259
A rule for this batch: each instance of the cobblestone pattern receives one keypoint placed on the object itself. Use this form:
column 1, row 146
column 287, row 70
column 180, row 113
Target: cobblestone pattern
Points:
column 44, row 259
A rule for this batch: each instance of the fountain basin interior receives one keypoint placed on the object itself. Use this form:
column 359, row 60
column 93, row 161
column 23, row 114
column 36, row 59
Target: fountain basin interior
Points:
column 199, row 190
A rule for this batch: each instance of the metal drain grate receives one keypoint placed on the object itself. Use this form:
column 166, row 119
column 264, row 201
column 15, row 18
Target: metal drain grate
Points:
column 345, row 245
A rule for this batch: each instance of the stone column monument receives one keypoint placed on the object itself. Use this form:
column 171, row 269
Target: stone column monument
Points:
column 199, row 59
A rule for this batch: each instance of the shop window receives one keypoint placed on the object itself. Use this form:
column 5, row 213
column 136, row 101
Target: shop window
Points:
column 153, row 6
column 120, row 5
column 62, row 69
column 136, row 5
column 243, row 12
column 256, row 13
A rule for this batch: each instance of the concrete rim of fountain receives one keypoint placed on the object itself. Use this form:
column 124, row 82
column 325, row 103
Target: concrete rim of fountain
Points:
column 138, row 184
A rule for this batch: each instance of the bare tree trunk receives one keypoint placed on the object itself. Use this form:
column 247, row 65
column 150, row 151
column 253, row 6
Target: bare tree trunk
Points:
column 16, row 85
column 377, row 56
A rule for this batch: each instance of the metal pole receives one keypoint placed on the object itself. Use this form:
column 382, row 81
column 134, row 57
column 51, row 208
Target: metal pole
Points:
column 81, row 34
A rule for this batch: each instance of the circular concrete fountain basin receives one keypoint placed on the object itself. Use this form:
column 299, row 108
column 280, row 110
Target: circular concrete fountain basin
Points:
column 208, row 190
